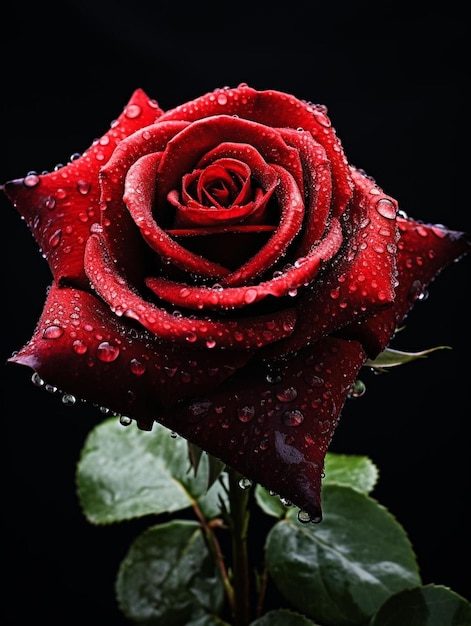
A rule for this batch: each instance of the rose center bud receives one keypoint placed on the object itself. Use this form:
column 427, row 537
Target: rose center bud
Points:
column 222, row 212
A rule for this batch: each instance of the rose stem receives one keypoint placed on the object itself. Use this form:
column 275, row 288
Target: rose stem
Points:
column 239, row 521
column 215, row 548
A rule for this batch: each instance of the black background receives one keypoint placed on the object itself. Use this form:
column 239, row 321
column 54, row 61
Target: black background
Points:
column 393, row 76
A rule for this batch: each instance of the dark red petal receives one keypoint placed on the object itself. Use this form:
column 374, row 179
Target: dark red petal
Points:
column 83, row 350
column 363, row 277
column 424, row 250
column 279, row 110
column 246, row 333
column 138, row 194
column 60, row 206
column 274, row 427
column 301, row 273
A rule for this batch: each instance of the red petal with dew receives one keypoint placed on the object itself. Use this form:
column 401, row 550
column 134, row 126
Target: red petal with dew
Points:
column 246, row 333
column 279, row 110
column 274, row 427
column 184, row 152
column 60, row 206
column 362, row 279
column 83, row 350
column 424, row 250
column 201, row 298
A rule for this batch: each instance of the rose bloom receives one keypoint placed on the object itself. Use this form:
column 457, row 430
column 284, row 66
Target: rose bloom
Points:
column 222, row 269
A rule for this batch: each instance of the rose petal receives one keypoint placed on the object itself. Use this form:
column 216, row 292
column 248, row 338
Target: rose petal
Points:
column 110, row 364
column 424, row 250
column 279, row 110
column 197, row 140
column 274, row 426
column 138, row 194
column 122, row 238
column 60, row 206
column 364, row 276
column 239, row 334
column 201, row 297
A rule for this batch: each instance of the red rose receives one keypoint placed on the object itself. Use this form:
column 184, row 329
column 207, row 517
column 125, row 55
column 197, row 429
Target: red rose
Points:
column 221, row 269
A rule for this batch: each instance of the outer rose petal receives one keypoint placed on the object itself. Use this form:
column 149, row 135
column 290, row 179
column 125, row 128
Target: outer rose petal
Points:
column 80, row 348
column 244, row 333
column 274, row 427
column 60, row 206
column 424, row 250
column 363, row 278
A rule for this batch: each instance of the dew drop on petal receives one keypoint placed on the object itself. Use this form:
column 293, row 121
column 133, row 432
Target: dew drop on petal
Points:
column 79, row 346
column 55, row 238
column 53, row 332
column 294, row 417
column 245, row 413
column 386, row 208
column 288, row 394
column 137, row 367
column 132, row 111
column 31, row 180
column 107, row 352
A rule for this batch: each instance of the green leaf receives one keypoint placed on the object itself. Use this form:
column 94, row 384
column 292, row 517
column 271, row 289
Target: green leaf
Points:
column 343, row 569
column 283, row 617
column 125, row 472
column 392, row 358
column 270, row 504
column 169, row 577
column 431, row 605
column 350, row 470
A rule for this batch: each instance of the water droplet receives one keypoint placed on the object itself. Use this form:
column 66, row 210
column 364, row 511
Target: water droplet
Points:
column 198, row 409
column 287, row 395
column 125, row 420
column 245, row 483
column 245, row 413
column 358, row 389
column 250, row 295
column 107, row 352
column 37, row 380
column 304, row 517
column 137, row 367
column 293, row 417
column 53, row 332
column 68, row 399
column 132, row 111
column 55, row 238
column 386, row 208
column 221, row 98
column 31, row 180
column 79, row 346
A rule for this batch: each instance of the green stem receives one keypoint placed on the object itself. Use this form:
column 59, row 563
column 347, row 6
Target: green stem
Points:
column 239, row 521
column 215, row 548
